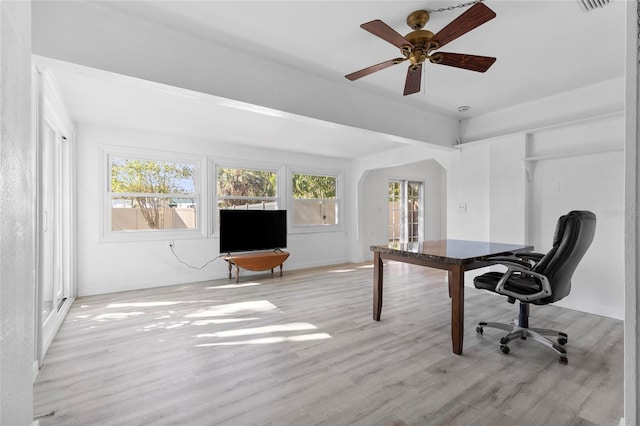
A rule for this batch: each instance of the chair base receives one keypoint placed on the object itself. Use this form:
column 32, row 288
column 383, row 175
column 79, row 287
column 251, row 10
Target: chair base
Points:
column 537, row 334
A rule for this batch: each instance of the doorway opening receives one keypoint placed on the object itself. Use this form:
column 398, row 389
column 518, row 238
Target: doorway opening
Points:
column 405, row 212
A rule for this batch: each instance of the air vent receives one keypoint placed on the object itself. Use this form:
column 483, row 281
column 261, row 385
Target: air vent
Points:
column 587, row 5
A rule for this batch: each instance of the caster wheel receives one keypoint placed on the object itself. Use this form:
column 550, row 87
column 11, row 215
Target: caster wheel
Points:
column 479, row 330
column 504, row 349
column 562, row 340
column 564, row 360
column 504, row 341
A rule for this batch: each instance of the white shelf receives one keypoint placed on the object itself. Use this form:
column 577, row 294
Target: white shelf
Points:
column 574, row 154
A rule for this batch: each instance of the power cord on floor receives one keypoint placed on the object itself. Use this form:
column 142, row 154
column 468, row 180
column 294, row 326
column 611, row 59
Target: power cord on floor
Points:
column 186, row 264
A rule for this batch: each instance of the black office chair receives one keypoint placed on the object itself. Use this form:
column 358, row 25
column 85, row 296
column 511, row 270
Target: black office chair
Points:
column 540, row 279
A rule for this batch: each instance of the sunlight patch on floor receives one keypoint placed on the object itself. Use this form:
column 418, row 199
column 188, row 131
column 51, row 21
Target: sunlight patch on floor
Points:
column 235, row 308
column 222, row 321
column 145, row 304
column 176, row 325
column 227, row 286
column 117, row 315
column 294, row 326
column 270, row 340
column 162, row 317
column 366, row 266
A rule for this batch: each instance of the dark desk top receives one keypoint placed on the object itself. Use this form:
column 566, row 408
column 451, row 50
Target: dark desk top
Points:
column 458, row 252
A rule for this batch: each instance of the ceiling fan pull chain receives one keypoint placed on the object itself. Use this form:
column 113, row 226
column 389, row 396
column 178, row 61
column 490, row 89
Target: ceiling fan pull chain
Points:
column 461, row 5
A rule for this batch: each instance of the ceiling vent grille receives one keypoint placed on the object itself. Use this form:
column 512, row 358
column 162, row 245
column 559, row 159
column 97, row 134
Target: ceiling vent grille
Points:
column 587, row 5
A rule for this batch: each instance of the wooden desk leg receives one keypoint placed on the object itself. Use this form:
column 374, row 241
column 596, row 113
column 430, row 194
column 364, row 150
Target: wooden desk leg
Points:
column 237, row 274
column 281, row 269
column 377, row 286
column 229, row 269
column 456, row 287
column 449, row 280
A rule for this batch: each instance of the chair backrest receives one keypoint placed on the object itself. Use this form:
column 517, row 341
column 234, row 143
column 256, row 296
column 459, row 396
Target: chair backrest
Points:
column 573, row 236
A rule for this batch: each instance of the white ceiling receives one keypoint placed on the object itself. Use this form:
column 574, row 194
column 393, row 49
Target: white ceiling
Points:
column 105, row 99
column 542, row 48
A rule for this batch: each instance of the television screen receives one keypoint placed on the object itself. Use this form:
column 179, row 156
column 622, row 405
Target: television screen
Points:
column 249, row 230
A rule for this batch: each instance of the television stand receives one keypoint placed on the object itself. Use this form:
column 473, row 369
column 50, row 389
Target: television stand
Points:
column 260, row 261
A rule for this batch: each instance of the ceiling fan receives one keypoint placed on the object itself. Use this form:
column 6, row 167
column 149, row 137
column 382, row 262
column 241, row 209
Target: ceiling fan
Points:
column 419, row 45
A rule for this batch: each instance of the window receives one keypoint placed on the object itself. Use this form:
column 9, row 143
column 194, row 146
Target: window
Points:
column 405, row 212
column 248, row 189
column 315, row 199
column 152, row 195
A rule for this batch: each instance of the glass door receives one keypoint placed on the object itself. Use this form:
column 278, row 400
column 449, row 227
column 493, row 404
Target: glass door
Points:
column 54, row 219
column 53, row 273
column 413, row 208
column 405, row 212
column 396, row 213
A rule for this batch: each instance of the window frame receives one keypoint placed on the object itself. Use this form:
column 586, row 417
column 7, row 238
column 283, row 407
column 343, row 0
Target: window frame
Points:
column 218, row 163
column 200, row 231
column 306, row 229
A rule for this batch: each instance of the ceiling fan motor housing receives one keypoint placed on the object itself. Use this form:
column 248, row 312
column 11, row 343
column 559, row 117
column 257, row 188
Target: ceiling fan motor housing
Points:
column 420, row 41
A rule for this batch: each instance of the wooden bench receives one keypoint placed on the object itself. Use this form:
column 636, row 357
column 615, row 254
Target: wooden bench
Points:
column 261, row 261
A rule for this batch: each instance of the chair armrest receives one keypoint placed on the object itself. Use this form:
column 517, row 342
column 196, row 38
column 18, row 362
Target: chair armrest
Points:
column 509, row 261
column 545, row 291
column 535, row 257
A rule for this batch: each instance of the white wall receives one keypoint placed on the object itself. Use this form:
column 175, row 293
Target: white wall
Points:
column 595, row 182
column 468, row 184
column 488, row 180
column 107, row 266
column 17, row 212
column 579, row 166
column 375, row 203
column 508, row 190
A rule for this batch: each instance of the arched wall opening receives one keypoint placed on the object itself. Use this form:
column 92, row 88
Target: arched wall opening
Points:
column 373, row 202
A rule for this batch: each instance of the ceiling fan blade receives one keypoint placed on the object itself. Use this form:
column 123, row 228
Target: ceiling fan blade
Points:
column 475, row 16
column 468, row 62
column 373, row 68
column 414, row 77
column 385, row 32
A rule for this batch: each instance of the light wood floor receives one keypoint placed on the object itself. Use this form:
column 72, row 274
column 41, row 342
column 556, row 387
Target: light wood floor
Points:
column 303, row 350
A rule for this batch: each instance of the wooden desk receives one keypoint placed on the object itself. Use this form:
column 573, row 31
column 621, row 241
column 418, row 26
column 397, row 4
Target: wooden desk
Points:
column 454, row 256
column 260, row 261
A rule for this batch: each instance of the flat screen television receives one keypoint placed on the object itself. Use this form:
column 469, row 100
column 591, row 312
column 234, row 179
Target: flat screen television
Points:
column 250, row 230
